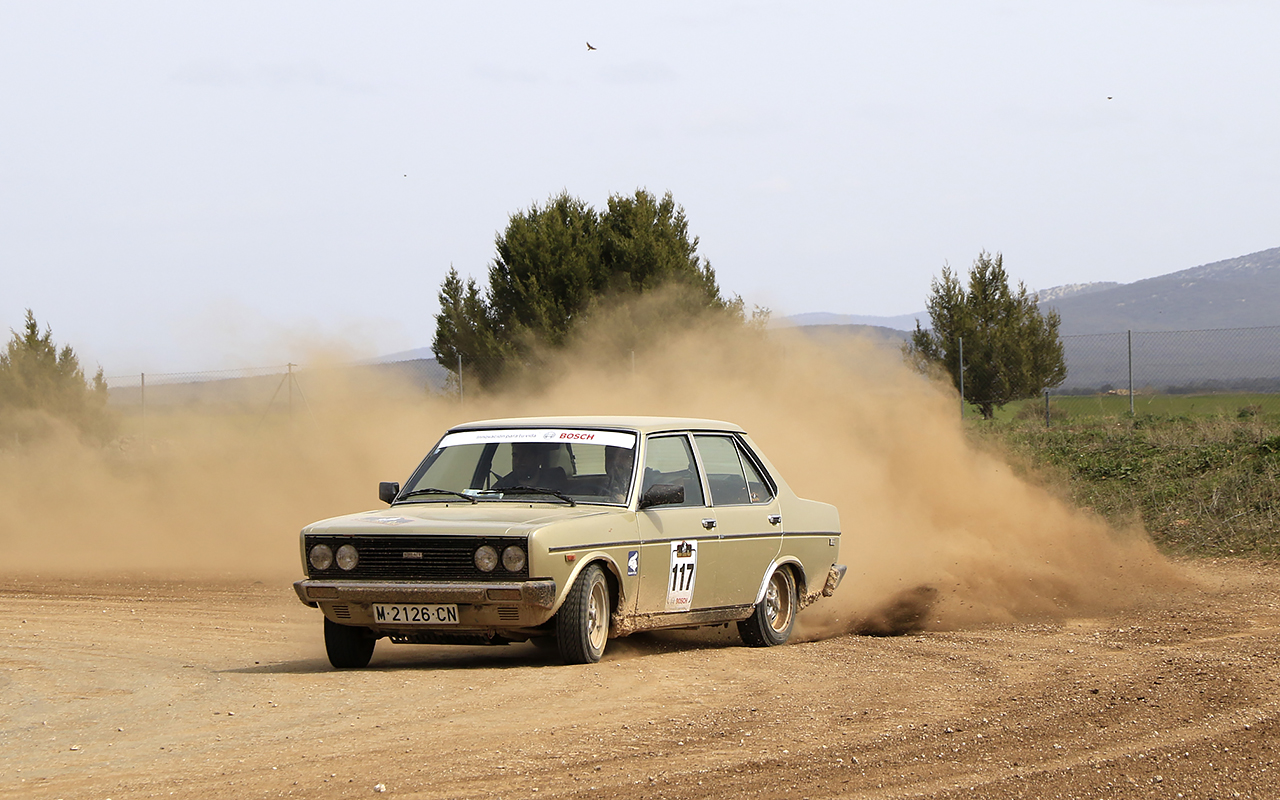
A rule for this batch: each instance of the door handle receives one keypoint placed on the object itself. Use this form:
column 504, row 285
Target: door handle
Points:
column 775, row 519
column 708, row 523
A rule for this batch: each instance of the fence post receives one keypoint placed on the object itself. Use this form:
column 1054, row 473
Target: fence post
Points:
column 1130, row 373
column 960, row 339
column 1046, row 408
column 142, row 392
column 289, row 379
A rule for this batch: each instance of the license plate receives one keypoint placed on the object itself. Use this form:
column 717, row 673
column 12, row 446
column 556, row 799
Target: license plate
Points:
column 417, row 614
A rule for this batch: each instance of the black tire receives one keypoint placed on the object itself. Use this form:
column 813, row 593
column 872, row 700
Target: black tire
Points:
column 348, row 646
column 582, row 623
column 771, row 622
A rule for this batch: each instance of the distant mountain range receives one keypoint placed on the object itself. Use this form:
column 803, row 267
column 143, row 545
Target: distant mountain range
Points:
column 1241, row 292
column 416, row 354
column 903, row 322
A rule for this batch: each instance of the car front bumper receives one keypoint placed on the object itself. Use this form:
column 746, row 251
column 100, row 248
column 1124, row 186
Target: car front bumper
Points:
column 480, row 605
column 535, row 593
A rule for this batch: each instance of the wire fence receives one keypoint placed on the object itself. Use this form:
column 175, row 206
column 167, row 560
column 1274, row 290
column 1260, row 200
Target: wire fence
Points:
column 1233, row 371
column 1225, row 371
column 286, row 389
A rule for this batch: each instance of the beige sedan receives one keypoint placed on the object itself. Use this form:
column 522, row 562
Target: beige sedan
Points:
column 568, row 531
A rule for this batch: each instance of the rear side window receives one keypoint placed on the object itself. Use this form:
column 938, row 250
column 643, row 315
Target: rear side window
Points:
column 733, row 479
column 757, row 486
column 669, row 460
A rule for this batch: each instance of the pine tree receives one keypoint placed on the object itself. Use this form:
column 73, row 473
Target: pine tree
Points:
column 555, row 262
column 1012, row 351
column 36, row 375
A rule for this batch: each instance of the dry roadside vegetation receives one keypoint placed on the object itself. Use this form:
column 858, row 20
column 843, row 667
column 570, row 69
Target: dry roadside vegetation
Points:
column 1199, row 484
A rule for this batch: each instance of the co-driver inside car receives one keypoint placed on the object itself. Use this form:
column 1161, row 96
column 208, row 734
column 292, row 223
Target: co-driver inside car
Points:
column 618, row 463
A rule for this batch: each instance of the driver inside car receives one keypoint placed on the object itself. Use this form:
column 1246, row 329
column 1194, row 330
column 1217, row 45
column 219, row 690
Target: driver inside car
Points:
column 529, row 468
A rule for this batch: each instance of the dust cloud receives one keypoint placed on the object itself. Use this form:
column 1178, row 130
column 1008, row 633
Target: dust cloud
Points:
column 937, row 533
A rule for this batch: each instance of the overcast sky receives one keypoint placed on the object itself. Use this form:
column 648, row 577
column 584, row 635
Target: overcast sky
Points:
column 192, row 186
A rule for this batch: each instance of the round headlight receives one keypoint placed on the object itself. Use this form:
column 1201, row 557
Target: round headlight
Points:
column 513, row 558
column 348, row 557
column 486, row 558
column 321, row 556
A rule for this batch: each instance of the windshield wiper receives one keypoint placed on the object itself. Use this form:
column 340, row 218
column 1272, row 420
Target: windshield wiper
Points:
column 417, row 492
column 532, row 490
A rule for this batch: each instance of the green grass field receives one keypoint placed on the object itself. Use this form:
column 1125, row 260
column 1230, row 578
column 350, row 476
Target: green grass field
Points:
column 1068, row 407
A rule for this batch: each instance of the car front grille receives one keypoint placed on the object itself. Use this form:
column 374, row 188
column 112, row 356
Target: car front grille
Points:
column 416, row 558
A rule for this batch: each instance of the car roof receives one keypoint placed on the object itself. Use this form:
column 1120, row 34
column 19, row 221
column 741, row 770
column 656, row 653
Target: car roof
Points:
column 640, row 424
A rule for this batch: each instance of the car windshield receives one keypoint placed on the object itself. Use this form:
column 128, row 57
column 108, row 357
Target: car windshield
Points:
column 556, row 465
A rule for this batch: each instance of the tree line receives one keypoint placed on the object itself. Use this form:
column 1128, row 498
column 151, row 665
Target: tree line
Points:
column 559, row 263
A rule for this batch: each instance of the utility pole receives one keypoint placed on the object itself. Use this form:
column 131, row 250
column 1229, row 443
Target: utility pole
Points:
column 1131, row 373
column 290, row 379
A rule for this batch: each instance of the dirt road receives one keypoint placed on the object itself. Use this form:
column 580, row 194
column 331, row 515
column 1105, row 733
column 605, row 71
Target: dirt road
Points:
column 206, row 690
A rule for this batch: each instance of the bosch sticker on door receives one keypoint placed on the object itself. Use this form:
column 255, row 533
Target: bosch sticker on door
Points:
column 684, row 567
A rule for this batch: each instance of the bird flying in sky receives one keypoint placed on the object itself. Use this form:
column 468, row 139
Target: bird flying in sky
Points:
column 589, row 47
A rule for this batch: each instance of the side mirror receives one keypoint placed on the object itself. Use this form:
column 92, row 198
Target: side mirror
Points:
column 387, row 491
column 662, row 494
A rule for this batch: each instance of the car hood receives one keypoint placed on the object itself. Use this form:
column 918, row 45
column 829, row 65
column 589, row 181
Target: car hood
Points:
column 481, row 519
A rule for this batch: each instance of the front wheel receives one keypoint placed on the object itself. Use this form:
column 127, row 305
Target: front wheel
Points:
column 774, row 616
column 348, row 647
column 582, row 623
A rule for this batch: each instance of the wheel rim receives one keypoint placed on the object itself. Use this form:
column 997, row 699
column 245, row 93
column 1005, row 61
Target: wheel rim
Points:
column 598, row 616
column 778, row 603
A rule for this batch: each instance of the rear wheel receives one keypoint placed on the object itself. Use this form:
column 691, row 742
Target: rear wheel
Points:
column 775, row 615
column 582, row 623
column 349, row 647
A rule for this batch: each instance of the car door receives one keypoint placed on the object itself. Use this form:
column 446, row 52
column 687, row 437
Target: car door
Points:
column 747, row 516
column 677, row 541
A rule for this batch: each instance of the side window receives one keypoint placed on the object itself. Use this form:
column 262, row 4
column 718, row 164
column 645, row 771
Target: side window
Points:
column 669, row 459
column 562, row 456
column 724, row 470
column 757, row 486
column 587, row 461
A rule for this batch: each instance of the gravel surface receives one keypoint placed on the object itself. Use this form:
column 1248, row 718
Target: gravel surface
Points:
column 212, row 690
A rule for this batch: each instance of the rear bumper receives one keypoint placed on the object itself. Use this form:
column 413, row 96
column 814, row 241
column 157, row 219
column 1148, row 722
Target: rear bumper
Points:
column 834, row 576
